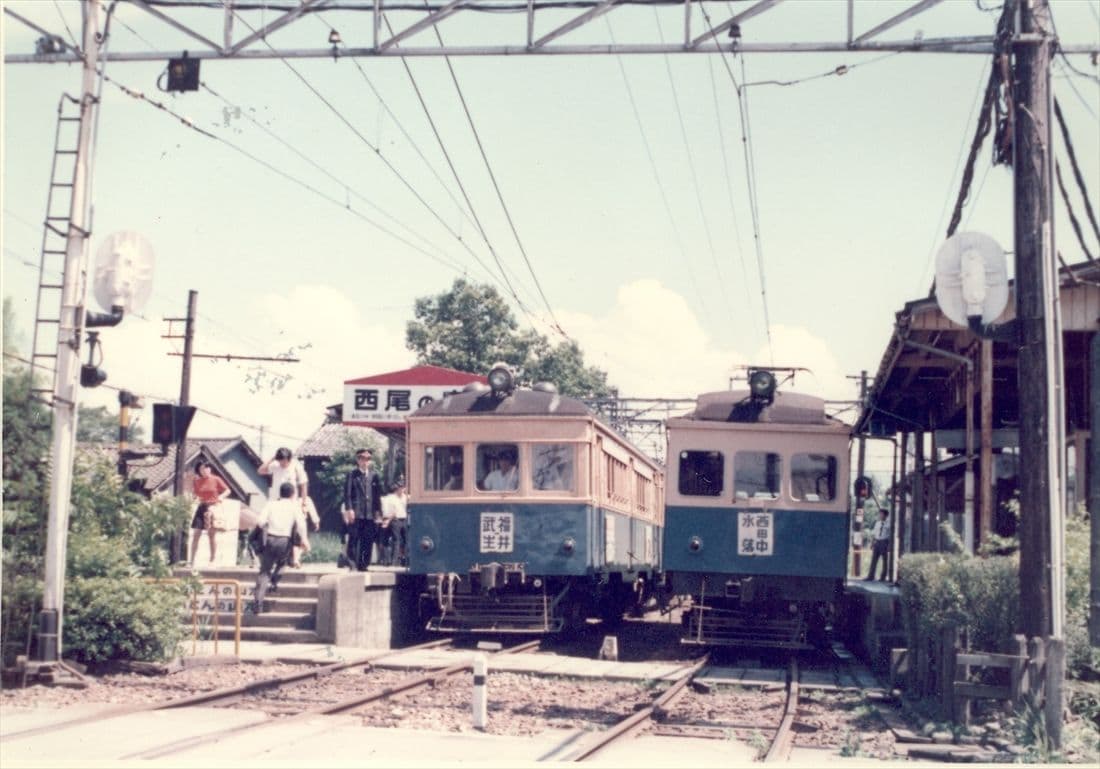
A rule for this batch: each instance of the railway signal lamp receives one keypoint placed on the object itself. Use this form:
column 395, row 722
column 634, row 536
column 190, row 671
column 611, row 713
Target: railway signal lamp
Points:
column 90, row 373
column 170, row 422
column 183, row 74
column 863, row 487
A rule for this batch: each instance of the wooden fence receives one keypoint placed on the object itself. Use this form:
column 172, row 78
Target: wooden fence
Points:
column 943, row 667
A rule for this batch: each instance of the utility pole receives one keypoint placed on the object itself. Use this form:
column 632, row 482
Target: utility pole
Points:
column 70, row 327
column 185, row 398
column 1039, row 362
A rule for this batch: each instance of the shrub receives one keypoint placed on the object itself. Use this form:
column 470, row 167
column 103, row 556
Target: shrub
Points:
column 325, row 547
column 109, row 618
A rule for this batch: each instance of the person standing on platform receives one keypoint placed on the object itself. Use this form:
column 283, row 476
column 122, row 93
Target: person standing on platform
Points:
column 394, row 525
column 880, row 545
column 362, row 510
column 211, row 491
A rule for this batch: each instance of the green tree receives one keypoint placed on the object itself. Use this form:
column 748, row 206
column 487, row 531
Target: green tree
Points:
column 99, row 425
column 470, row 328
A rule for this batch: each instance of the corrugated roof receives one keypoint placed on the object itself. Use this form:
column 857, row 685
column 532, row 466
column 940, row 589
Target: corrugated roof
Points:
column 156, row 470
column 333, row 437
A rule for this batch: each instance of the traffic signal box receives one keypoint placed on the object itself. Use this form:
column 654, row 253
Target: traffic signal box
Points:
column 170, row 422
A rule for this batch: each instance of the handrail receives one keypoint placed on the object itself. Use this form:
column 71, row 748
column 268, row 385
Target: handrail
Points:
column 237, row 613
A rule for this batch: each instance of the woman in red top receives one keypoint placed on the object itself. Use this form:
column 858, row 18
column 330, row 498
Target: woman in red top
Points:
column 211, row 490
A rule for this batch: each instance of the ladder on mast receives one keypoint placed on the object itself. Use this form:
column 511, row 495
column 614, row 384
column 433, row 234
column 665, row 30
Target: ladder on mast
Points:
column 55, row 235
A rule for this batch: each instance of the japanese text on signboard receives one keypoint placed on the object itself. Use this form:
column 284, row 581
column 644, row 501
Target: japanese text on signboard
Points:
column 754, row 533
column 217, row 597
column 387, row 403
column 496, row 533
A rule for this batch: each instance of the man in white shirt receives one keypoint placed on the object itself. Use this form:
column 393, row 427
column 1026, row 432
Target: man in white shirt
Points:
column 283, row 468
column 880, row 544
column 278, row 520
column 505, row 477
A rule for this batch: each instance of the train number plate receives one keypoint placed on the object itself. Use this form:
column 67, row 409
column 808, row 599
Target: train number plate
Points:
column 496, row 534
column 754, row 533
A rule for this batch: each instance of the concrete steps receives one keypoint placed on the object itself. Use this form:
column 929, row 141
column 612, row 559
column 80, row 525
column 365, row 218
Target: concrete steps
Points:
column 289, row 612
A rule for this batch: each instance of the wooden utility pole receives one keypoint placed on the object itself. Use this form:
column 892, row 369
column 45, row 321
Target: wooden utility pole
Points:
column 1039, row 369
column 185, row 399
column 1034, row 258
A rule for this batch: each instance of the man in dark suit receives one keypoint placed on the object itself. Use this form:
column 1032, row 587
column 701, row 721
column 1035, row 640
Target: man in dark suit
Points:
column 362, row 510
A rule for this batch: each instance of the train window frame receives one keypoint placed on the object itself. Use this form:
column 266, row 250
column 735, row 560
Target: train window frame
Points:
column 484, row 467
column 720, row 474
column 831, row 475
column 769, row 495
column 431, row 465
column 565, row 471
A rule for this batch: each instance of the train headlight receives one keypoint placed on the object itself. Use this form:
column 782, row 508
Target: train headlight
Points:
column 695, row 544
column 501, row 380
column 426, row 545
column 568, row 545
column 762, row 386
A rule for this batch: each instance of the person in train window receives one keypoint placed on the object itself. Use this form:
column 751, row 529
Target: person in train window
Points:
column 505, row 477
column 553, row 467
column 454, row 472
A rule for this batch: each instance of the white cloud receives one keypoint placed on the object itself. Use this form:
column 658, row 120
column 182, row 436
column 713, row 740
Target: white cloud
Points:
column 652, row 344
column 319, row 325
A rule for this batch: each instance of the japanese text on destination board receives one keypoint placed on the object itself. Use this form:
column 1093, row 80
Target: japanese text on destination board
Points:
column 755, row 533
column 496, row 533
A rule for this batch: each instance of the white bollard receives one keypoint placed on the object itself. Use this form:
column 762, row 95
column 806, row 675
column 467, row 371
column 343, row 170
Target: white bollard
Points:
column 481, row 669
column 610, row 648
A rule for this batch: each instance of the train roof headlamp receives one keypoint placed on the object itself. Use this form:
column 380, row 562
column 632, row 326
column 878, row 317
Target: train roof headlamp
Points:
column 501, row 381
column 762, row 386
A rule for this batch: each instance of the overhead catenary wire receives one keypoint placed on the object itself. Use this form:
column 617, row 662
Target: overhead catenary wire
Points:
column 461, row 186
column 496, row 186
column 694, row 174
column 378, row 152
column 750, row 178
column 281, row 172
column 657, row 176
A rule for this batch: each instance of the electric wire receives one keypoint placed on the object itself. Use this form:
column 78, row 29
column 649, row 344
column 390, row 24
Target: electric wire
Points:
column 1068, row 80
column 1077, row 175
column 462, row 187
column 347, row 187
column 377, row 151
column 280, row 172
column 694, row 175
column 750, row 177
column 496, row 186
column 1072, row 215
column 684, row 260
column 755, row 319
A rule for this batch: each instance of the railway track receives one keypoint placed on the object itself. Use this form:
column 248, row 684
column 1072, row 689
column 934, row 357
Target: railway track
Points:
column 405, row 685
column 216, row 695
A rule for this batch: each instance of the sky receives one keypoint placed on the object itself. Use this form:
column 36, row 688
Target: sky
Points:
column 323, row 206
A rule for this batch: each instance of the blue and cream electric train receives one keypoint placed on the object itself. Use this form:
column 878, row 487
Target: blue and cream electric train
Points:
column 756, row 516
column 527, row 514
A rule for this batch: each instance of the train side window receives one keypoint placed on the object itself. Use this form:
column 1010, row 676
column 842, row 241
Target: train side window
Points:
column 497, row 467
column 813, row 477
column 701, row 473
column 757, row 474
column 552, row 466
column 443, row 468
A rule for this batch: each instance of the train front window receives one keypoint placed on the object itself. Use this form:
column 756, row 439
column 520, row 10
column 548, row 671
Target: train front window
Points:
column 443, row 468
column 497, row 467
column 701, row 473
column 756, row 475
column 813, row 477
column 552, row 466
